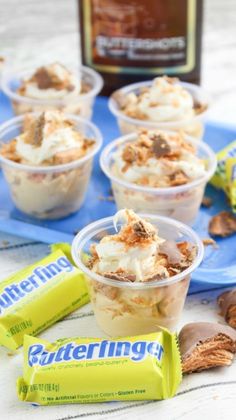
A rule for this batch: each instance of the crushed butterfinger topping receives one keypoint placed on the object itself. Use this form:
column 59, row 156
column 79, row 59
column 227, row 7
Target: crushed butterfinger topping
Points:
column 117, row 256
column 160, row 146
column 49, row 129
column 178, row 178
column 8, row 151
column 227, row 304
column 157, row 159
column 157, row 145
column 49, row 77
column 142, row 230
column 199, row 107
column 38, row 130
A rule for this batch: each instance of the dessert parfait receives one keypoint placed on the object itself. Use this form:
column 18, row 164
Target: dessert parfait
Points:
column 46, row 160
column 53, row 87
column 164, row 173
column 138, row 270
column 164, row 103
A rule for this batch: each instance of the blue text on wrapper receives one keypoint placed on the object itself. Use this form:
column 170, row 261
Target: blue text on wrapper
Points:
column 106, row 349
column 39, row 276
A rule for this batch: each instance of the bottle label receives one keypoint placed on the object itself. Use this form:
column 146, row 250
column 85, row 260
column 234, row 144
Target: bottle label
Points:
column 158, row 36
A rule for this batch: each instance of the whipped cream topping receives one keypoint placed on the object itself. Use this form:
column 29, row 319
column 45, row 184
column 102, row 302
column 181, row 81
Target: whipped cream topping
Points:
column 166, row 100
column 51, row 82
column 157, row 159
column 47, row 136
column 133, row 250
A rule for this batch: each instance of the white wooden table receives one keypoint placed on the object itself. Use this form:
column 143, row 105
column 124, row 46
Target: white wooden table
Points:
column 28, row 33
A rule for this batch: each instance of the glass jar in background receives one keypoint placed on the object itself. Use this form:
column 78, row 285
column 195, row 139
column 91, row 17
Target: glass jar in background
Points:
column 133, row 41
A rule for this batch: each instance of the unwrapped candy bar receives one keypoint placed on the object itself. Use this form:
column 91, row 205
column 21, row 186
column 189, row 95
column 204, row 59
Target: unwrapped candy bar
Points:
column 204, row 345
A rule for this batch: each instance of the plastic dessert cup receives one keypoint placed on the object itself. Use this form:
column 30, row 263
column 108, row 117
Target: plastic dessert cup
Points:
column 49, row 192
column 130, row 308
column 180, row 202
column 81, row 105
column 193, row 127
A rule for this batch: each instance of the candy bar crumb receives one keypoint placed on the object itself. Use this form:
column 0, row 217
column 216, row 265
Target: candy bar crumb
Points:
column 222, row 224
column 205, row 345
column 142, row 230
column 121, row 276
column 5, row 243
column 160, row 146
column 207, row 202
column 199, row 107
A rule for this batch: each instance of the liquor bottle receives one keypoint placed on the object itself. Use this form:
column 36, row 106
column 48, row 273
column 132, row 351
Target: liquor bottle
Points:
column 130, row 41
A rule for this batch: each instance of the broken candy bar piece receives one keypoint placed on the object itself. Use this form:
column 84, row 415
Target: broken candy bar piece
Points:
column 204, row 345
column 227, row 304
column 142, row 230
column 206, row 202
column 222, row 224
column 209, row 241
column 160, row 146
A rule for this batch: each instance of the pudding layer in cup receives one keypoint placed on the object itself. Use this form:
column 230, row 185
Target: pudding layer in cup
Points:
column 53, row 87
column 163, row 103
column 47, row 160
column 162, row 173
column 138, row 270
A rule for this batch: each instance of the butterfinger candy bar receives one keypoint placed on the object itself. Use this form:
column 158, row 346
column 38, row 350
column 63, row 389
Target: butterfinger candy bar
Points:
column 204, row 345
column 227, row 304
column 207, row 202
column 38, row 296
column 89, row 370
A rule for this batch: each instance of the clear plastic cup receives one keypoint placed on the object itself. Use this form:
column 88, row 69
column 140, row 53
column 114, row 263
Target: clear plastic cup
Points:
column 193, row 127
column 181, row 202
column 81, row 105
column 49, row 192
column 124, row 308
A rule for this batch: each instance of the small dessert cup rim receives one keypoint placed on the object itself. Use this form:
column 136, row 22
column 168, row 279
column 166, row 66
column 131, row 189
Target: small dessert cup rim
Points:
column 166, row 190
column 115, row 110
column 53, row 168
column 7, row 76
column 97, row 227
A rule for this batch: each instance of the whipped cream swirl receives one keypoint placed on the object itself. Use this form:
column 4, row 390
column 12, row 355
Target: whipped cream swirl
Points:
column 164, row 101
column 147, row 168
column 60, row 83
column 57, row 136
column 121, row 253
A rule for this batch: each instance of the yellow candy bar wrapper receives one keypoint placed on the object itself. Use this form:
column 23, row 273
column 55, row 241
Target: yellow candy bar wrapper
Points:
column 89, row 370
column 38, row 296
column 230, row 189
column 225, row 175
column 64, row 247
column 219, row 179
